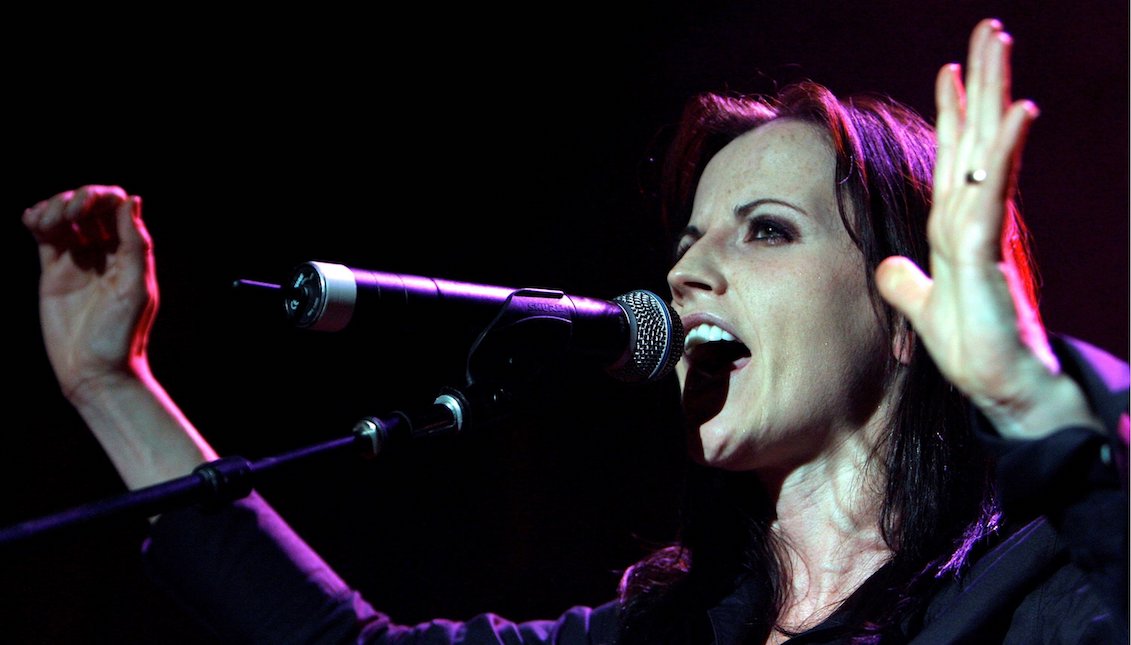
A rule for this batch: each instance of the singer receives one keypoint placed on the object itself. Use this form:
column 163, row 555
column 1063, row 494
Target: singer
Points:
column 887, row 445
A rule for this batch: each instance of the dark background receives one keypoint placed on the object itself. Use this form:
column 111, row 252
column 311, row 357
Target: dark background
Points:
column 502, row 147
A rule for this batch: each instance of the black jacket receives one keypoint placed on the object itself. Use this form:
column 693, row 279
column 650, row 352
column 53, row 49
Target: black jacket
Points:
column 1057, row 574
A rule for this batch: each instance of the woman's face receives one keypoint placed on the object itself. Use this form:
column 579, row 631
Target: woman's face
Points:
column 766, row 261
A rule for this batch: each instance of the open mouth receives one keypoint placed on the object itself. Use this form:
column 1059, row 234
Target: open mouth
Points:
column 712, row 350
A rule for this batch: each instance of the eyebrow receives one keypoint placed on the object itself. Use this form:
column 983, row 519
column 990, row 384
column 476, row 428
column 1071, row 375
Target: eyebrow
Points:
column 740, row 211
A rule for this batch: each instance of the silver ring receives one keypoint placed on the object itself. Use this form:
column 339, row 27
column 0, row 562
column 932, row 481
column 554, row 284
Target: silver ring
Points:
column 976, row 176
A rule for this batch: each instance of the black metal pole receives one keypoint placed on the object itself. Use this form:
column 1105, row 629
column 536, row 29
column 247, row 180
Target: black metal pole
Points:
column 225, row 479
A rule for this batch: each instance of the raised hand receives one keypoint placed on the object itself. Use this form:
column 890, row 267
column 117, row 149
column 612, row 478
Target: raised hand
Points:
column 98, row 296
column 974, row 313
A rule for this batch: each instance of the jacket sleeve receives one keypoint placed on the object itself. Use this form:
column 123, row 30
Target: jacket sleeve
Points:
column 1077, row 478
column 244, row 573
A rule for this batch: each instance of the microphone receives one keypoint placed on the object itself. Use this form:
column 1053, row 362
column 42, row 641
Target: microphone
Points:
column 637, row 335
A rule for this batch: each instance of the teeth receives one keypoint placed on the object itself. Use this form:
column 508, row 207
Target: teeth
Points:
column 705, row 333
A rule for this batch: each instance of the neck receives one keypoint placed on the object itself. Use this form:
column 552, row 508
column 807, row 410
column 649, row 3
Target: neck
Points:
column 828, row 529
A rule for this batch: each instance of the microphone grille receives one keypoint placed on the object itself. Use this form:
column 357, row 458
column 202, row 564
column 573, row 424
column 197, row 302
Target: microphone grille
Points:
column 655, row 337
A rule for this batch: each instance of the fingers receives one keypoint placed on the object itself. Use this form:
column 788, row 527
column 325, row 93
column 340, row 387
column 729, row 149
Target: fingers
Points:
column 78, row 218
column 1003, row 155
column 970, row 114
column 984, row 99
column 92, row 211
column 989, row 79
column 979, row 128
column 950, row 99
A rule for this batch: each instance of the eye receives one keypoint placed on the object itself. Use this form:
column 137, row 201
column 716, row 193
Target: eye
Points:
column 681, row 248
column 769, row 230
column 689, row 236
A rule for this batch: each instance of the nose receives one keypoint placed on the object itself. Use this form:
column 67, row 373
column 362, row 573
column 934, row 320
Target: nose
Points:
column 695, row 273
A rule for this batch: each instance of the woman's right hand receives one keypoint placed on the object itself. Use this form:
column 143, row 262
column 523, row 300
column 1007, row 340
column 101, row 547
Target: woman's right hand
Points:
column 98, row 299
column 98, row 293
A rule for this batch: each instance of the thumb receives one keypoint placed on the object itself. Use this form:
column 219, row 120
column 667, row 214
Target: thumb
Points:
column 903, row 285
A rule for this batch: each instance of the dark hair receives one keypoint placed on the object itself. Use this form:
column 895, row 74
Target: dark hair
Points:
column 937, row 499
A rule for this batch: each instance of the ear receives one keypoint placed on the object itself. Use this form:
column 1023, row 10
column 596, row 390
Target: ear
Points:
column 903, row 342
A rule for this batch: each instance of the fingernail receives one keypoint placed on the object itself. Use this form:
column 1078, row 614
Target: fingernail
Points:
column 136, row 203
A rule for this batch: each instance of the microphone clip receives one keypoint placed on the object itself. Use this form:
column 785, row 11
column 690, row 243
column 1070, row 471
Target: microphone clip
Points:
column 530, row 335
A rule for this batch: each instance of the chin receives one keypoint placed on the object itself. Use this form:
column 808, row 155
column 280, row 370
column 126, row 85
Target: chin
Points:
column 717, row 450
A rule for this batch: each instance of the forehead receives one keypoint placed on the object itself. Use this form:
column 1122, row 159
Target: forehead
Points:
column 785, row 157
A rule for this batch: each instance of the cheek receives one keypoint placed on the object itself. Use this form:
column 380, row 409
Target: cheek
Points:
column 853, row 330
column 832, row 334
column 844, row 286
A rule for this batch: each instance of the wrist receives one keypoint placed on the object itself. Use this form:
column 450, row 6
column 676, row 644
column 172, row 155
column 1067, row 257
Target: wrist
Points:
column 97, row 389
column 1056, row 402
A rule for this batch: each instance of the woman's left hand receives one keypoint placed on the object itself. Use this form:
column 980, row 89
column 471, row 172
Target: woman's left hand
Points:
column 973, row 313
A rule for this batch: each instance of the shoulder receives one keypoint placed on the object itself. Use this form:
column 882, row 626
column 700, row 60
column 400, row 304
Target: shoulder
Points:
column 578, row 625
column 1104, row 377
column 1065, row 607
column 1026, row 589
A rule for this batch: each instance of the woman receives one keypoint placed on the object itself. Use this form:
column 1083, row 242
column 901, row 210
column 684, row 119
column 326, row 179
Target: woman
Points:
column 838, row 492
column 878, row 468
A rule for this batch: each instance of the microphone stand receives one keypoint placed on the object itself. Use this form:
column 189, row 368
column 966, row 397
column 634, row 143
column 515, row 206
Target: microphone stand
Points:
column 503, row 362
column 223, row 480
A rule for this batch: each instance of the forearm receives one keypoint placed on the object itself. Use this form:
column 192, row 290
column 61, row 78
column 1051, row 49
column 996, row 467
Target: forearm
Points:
column 242, row 571
column 146, row 436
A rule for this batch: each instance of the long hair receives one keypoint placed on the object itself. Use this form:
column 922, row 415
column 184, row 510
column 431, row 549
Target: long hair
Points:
column 937, row 499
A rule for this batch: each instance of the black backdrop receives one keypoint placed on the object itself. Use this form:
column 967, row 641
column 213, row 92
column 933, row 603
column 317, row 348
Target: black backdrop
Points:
column 503, row 147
